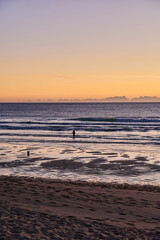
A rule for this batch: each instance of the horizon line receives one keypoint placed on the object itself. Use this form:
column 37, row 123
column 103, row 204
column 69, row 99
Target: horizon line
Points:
column 50, row 102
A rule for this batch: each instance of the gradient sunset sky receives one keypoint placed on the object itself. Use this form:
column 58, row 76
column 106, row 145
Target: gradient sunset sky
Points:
column 52, row 49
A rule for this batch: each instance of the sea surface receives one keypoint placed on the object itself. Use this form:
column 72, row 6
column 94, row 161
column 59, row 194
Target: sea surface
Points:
column 114, row 142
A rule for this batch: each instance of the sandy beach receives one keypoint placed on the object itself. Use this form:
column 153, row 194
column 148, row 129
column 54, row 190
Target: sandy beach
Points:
column 51, row 209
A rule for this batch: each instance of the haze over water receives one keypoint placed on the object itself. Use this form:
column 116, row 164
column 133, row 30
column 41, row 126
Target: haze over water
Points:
column 118, row 142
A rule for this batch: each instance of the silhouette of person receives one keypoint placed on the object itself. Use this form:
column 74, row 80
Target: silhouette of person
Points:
column 74, row 133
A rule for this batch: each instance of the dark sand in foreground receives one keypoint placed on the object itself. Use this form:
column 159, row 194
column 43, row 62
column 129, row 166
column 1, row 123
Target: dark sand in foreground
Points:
column 51, row 209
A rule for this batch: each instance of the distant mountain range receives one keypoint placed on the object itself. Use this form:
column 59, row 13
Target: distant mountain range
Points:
column 115, row 99
column 145, row 99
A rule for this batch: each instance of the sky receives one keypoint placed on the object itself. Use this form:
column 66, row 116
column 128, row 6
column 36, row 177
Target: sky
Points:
column 78, row 49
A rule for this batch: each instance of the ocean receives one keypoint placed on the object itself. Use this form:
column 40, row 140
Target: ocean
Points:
column 114, row 142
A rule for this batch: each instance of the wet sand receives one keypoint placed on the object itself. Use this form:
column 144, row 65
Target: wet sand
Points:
column 51, row 209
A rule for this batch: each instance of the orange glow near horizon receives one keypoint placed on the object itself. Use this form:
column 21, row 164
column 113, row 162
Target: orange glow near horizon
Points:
column 54, row 87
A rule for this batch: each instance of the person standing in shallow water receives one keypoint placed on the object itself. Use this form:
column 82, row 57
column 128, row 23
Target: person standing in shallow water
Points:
column 74, row 133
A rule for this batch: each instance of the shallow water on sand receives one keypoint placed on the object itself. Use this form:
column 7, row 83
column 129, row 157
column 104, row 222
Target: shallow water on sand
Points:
column 75, row 161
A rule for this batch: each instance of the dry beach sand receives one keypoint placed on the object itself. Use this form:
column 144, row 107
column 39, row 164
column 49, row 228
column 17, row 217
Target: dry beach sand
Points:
column 51, row 209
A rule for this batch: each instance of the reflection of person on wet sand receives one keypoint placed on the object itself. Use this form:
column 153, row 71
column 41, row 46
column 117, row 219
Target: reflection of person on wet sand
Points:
column 74, row 133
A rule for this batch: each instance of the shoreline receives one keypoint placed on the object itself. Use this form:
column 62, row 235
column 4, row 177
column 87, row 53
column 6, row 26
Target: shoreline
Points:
column 109, row 185
column 38, row 208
